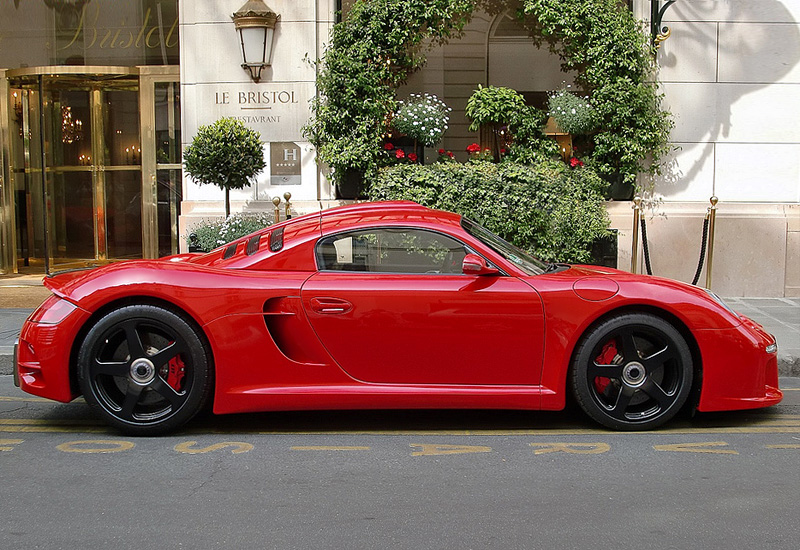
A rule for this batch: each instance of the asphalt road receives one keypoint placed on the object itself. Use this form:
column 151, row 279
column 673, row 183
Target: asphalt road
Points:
column 424, row 479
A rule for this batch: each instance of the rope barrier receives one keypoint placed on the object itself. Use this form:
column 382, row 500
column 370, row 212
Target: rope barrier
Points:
column 703, row 243
column 702, row 252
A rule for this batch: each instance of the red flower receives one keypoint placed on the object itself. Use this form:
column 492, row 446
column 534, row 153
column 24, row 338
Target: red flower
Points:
column 473, row 148
column 388, row 146
column 399, row 153
column 441, row 151
column 412, row 157
column 450, row 154
column 575, row 162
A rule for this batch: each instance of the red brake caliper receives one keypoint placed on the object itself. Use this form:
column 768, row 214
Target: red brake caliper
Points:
column 606, row 357
column 177, row 370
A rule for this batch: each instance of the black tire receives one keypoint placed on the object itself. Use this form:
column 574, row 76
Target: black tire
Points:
column 632, row 372
column 145, row 370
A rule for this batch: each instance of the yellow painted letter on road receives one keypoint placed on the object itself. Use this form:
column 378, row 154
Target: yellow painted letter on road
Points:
column 238, row 447
column 429, row 449
column 572, row 448
column 697, row 448
column 8, row 444
column 92, row 446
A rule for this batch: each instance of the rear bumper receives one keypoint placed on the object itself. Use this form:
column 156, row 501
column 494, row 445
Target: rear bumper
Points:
column 740, row 368
column 42, row 358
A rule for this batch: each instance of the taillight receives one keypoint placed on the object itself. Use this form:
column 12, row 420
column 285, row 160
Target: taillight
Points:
column 52, row 311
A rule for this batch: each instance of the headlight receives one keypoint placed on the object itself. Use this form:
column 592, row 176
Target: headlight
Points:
column 722, row 303
column 772, row 348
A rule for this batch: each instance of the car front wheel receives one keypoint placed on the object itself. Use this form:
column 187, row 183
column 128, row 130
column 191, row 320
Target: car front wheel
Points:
column 144, row 369
column 632, row 372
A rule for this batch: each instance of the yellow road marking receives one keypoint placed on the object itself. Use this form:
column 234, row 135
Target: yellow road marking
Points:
column 96, row 446
column 328, row 448
column 44, row 421
column 238, row 447
column 7, row 444
column 697, row 448
column 787, row 446
column 571, row 448
column 429, row 449
column 76, row 401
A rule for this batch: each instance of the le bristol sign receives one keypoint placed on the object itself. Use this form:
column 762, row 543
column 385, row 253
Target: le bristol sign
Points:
column 277, row 111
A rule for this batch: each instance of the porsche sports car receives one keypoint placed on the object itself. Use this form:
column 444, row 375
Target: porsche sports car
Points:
column 386, row 306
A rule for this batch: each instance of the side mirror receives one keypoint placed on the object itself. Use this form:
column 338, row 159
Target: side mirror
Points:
column 475, row 265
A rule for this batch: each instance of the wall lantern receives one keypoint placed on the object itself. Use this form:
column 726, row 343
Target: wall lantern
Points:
column 255, row 23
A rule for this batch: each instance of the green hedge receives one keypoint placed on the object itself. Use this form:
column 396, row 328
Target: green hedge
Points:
column 551, row 210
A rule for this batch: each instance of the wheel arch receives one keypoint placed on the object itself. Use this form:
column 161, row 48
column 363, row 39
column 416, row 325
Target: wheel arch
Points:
column 145, row 300
column 672, row 319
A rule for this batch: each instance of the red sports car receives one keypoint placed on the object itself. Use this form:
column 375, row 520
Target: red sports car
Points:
column 383, row 306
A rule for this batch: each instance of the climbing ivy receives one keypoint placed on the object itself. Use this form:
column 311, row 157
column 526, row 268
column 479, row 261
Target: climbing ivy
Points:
column 380, row 44
column 371, row 53
column 602, row 42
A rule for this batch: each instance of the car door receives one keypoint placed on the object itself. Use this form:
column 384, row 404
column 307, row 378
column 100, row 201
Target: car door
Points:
column 391, row 305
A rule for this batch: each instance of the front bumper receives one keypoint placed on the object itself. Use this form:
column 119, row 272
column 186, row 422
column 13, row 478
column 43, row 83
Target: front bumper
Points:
column 740, row 368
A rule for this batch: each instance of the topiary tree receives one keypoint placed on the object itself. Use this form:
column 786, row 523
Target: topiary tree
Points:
column 226, row 154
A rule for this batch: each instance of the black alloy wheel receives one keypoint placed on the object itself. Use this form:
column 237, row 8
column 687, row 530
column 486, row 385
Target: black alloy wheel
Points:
column 145, row 370
column 632, row 372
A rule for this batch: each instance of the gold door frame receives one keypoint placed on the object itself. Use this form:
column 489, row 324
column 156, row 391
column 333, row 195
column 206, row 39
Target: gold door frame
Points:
column 149, row 76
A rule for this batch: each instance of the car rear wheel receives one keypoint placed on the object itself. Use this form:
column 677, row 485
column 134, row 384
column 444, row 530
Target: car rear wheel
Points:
column 144, row 369
column 632, row 372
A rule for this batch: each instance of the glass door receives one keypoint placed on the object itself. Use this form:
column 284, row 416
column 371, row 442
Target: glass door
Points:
column 76, row 165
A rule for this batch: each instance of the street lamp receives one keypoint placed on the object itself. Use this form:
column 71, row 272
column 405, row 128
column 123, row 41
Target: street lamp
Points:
column 255, row 23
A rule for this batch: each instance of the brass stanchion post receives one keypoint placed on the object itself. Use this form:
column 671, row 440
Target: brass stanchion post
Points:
column 637, row 204
column 712, row 216
column 277, row 202
column 288, row 196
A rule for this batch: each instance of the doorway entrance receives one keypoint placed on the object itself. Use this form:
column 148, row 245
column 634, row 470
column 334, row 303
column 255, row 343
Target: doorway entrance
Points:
column 94, row 164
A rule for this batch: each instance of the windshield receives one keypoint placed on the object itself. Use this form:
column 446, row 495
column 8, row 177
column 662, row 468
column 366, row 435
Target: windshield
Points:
column 526, row 262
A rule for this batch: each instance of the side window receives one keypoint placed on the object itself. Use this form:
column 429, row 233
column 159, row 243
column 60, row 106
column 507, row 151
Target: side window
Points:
column 391, row 250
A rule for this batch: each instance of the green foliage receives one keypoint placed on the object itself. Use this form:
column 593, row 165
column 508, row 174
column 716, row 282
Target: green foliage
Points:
column 573, row 114
column 614, row 61
column 226, row 154
column 370, row 54
column 493, row 105
column 423, row 118
column 530, row 145
column 211, row 234
column 549, row 209
column 374, row 50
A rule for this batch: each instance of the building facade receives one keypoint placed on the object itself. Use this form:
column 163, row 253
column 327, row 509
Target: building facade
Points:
column 101, row 96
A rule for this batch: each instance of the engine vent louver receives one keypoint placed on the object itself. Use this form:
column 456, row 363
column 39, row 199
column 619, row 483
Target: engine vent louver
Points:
column 252, row 245
column 229, row 252
column 276, row 240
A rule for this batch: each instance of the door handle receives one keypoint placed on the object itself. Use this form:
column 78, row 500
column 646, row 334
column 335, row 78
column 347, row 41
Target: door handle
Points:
column 330, row 306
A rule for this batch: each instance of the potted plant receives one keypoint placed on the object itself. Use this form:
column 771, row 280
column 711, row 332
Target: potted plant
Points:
column 491, row 109
column 226, row 154
column 423, row 119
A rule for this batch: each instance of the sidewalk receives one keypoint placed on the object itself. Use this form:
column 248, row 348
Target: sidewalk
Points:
column 20, row 295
